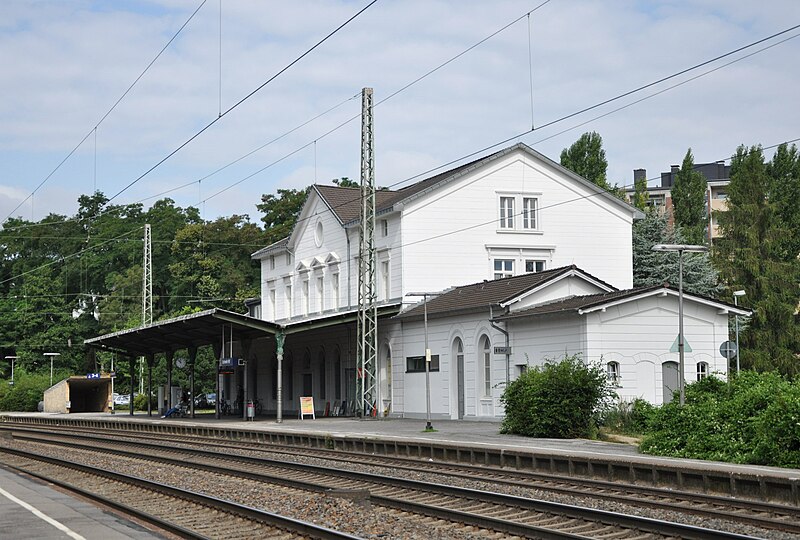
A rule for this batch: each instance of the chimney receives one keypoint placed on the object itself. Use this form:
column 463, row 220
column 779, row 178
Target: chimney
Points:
column 639, row 174
column 674, row 168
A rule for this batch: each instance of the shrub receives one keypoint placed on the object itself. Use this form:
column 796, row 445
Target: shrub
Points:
column 753, row 419
column 558, row 400
column 27, row 392
column 629, row 417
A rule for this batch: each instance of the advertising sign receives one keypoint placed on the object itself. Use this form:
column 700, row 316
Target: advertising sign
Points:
column 307, row 408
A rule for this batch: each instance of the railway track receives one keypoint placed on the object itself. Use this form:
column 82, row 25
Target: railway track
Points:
column 181, row 512
column 505, row 514
column 764, row 515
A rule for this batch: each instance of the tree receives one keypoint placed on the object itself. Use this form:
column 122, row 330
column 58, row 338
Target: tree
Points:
column 587, row 158
column 345, row 182
column 784, row 169
column 689, row 201
column 752, row 255
column 281, row 212
column 640, row 194
column 657, row 267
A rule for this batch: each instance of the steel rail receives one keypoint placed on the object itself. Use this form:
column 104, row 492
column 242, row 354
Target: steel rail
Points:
column 254, row 514
column 660, row 527
column 713, row 506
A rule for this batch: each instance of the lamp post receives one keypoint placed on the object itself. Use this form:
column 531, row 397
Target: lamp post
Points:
column 736, row 295
column 425, row 295
column 680, row 248
column 51, row 355
column 12, row 358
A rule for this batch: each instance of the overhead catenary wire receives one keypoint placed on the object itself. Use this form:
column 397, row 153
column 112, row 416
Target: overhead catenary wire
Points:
column 108, row 112
column 242, row 100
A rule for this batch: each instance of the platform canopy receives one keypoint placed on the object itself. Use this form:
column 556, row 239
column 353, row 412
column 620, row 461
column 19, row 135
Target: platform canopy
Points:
column 193, row 330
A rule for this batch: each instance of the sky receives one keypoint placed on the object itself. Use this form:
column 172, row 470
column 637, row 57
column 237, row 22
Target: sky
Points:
column 66, row 63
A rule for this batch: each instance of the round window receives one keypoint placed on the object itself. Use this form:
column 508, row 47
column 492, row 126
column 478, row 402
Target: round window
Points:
column 318, row 234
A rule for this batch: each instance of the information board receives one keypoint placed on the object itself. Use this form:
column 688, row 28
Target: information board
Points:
column 307, row 407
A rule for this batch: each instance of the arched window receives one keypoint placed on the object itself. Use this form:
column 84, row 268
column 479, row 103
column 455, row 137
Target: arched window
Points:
column 486, row 364
column 702, row 370
column 612, row 373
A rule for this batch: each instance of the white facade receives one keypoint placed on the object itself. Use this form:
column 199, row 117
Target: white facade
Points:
column 512, row 214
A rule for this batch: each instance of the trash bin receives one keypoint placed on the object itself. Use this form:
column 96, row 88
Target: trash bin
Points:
column 251, row 410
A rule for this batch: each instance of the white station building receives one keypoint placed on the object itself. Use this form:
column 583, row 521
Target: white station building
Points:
column 529, row 262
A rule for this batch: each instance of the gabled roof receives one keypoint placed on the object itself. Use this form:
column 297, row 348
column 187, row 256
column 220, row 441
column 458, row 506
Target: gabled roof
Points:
column 346, row 206
column 593, row 302
column 280, row 245
column 480, row 296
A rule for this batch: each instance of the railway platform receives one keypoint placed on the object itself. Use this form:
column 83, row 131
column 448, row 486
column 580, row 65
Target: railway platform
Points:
column 465, row 441
column 31, row 509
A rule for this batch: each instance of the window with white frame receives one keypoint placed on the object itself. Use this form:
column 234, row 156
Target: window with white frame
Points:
column 506, row 212
column 306, row 298
column 384, row 228
column 503, row 268
column 702, row 370
column 385, row 283
column 273, row 304
column 532, row 266
column 530, row 208
column 272, row 262
column 288, row 259
column 320, row 294
column 612, row 373
column 335, row 291
column 486, row 364
column 289, row 301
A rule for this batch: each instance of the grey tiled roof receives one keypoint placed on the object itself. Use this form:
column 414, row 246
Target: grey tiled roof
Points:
column 575, row 303
column 484, row 294
column 272, row 247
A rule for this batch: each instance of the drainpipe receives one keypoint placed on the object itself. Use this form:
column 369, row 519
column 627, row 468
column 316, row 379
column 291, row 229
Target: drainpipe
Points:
column 349, row 295
column 508, row 355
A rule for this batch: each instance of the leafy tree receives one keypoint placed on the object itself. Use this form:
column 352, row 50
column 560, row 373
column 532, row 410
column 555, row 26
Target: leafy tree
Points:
column 784, row 169
column 281, row 212
column 587, row 158
column 657, row 267
column 345, row 182
column 563, row 400
column 640, row 194
column 752, row 255
column 689, row 201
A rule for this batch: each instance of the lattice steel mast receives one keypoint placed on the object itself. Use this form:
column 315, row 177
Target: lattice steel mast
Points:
column 147, row 293
column 367, row 299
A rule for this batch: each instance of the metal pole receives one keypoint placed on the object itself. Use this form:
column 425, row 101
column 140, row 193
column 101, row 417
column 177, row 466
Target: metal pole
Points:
column 736, row 317
column 428, row 426
column 279, row 337
column 133, row 370
column 149, row 385
column 12, row 372
column 51, row 371
column 681, row 381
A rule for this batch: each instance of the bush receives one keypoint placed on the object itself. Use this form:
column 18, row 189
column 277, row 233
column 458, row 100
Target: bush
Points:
column 558, row 400
column 753, row 419
column 629, row 417
column 27, row 392
column 140, row 403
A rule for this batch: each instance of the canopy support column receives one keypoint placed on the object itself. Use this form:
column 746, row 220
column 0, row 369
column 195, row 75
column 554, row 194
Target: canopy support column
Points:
column 192, row 357
column 132, row 365
column 280, row 337
column 218, row 355
column 149, row 358
column 245, row 343
column 170, row 355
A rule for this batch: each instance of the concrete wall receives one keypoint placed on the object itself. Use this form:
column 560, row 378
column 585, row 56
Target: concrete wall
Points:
column 56, row 397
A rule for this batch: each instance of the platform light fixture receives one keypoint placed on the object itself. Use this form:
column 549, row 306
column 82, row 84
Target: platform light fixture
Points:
column 680, row 248
column 425, row 296
column 736, row 295
column 12, row 358
column 51, row 355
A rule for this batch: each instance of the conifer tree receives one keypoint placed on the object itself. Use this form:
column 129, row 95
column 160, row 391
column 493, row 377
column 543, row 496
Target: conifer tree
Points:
column 689, row 201
column 752, row 255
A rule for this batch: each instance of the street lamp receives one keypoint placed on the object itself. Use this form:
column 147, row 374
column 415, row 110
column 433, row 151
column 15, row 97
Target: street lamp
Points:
column 425, row 295
column 51, row 355
column 680, row 248
column 12, row 358
column 736, row 295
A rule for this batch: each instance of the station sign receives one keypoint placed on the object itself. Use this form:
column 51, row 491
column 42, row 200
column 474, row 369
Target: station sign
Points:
column 502, row 350
column 228, row 365
column 92, row 375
